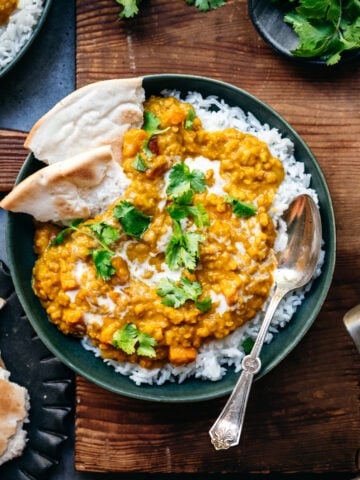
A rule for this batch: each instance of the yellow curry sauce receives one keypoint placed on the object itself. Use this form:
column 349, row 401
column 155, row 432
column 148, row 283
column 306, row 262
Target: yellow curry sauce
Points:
column 236, row 260
column 7, row 7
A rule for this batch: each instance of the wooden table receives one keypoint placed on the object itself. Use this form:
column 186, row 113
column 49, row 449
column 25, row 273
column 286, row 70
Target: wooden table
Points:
column 304, row 416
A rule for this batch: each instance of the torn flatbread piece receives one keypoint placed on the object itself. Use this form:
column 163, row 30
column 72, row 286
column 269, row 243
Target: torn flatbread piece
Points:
column 14, row 408
column 95, row 115
column 79, row 187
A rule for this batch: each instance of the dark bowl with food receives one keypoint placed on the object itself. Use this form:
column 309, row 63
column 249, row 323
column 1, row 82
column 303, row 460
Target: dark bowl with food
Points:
column 268, row 19
column 25, row 39
column 20, row 249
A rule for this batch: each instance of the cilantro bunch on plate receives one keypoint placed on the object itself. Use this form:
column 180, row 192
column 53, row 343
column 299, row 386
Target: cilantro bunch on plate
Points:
column 326, row 28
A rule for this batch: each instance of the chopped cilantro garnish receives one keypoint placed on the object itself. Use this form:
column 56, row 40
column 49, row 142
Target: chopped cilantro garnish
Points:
column 183, row 249
column 190, row 119
column 151, row 126
column 59, row 239
column 133, row 221
column 241, row 209
column 130, row 8
column 106, row 233
column 205, row 5
column 140, row 163
column 175, row 295
column 102, row 262
column 248, row 344
column 198, row 212
column 131, row 340
column 182, row 180
column 204, row 305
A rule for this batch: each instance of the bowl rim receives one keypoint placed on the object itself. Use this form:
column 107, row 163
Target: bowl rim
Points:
column 221, row 388
column 46, row 7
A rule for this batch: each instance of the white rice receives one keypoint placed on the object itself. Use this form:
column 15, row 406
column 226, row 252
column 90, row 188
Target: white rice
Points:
column 17, row 31
column 215, row 357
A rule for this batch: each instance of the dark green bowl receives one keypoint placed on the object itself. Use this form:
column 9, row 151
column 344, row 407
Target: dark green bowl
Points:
column 20, row 231
column 25, row 47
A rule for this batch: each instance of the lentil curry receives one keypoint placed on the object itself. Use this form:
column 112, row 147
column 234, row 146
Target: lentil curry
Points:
column 202, row 264
column 7, row 7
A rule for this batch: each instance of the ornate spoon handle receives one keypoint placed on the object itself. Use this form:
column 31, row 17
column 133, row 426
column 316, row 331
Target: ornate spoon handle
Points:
column 226, row 430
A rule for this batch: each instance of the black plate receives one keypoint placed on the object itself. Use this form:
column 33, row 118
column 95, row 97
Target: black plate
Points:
column 49, row 384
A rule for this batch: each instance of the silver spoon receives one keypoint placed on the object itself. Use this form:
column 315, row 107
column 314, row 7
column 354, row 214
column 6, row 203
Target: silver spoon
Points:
column 352, row 323
column 296, row 266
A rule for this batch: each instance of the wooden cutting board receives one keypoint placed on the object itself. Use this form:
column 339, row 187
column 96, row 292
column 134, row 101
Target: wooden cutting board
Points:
column 304, row 416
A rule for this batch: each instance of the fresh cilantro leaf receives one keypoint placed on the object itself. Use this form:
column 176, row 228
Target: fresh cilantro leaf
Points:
column 152, row 124
column 183, row 249
column 102, row 262
column 247, row 345
column 186, row 198
column 326, row 28
column 198, row 212
column 146, row 345
column 131, row 340
column 133, row 221
column 175, row 295
column 106, row 233
column 59, row 239
column 140, row 163
column 205, row 5
column 241, row 209
column 190, row 119
column 130, row 8
column 204, row 305
column 181, row 180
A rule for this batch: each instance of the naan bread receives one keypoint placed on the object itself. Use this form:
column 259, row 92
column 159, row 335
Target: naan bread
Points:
column 14, row 407
column 92, row 116
column 79, row 187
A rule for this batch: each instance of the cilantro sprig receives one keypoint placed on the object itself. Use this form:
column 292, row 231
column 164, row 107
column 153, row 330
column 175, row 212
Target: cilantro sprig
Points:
column 151, row 127
column 103, row 234
column 198, row 212
column 183, row 249
column 183, row 183
column 205, row 5
column 190, row 117
column 241, row 209
column 133, row 221
column 131, row 7
column 73, row 227
column 131, row 340
column 175, row 295
column 326, row 28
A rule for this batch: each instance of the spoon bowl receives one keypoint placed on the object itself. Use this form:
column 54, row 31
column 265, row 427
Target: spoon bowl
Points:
column 296, row 266
column 352, row 324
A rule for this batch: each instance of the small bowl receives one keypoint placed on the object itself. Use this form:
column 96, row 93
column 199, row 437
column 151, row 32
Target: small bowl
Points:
column 21, row 257
column 27, row 44
column 269, row 22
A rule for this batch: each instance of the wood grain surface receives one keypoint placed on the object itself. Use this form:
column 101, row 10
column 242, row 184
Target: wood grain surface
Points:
column 304, row 416
column 299, row 418
column 12, row 155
